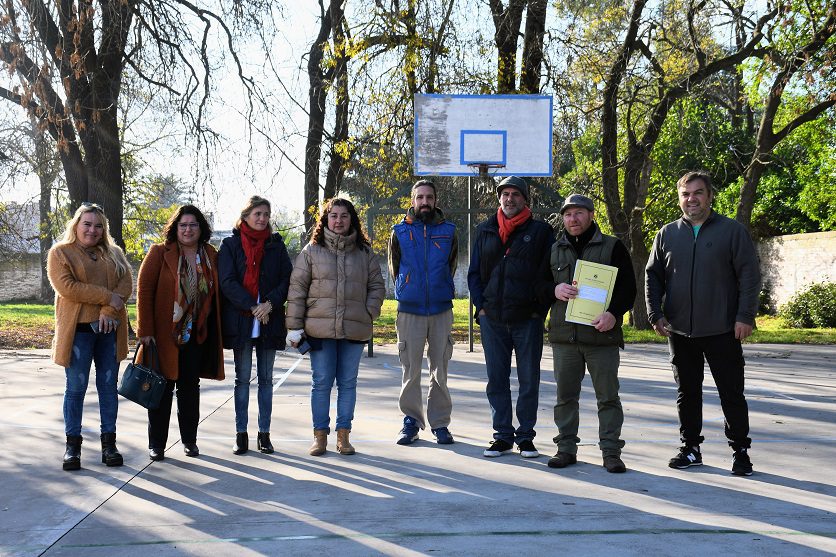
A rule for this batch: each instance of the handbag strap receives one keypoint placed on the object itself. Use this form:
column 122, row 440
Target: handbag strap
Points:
column 151, row 349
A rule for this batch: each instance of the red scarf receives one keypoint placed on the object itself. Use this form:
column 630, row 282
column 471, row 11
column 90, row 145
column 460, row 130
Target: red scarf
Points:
column 507, row 226
column 253, row 243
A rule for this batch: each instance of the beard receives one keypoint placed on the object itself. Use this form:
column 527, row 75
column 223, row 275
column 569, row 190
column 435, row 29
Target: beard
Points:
column 425, row 213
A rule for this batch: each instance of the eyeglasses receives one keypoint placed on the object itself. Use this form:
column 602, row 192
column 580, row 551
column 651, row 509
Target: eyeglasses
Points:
column 187, row 225
column 91, row 205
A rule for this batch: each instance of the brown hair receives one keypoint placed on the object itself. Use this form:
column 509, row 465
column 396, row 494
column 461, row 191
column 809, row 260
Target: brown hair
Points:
column 252, row 203
column 696, row 175
column 318, row 236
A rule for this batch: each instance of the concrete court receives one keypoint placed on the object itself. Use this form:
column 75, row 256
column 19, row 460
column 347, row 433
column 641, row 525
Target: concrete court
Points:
column 427, row 499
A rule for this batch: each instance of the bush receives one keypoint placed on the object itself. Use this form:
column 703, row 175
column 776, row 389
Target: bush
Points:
column 812, row 307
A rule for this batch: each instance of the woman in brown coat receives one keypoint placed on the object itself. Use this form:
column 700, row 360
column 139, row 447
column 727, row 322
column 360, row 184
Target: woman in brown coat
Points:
column 178, row 312
column 336, row 292
column 92, row 280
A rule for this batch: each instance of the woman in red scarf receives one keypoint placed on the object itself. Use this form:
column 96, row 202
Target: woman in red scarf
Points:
column 254, row 270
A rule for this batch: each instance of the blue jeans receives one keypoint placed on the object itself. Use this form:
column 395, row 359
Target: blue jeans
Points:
column 88, row 348
column 525, row 338
column 338, row 360
column 243, row 371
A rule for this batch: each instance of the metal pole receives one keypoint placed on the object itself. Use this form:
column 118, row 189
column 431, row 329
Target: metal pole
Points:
column 469, row 255
column 370, row 226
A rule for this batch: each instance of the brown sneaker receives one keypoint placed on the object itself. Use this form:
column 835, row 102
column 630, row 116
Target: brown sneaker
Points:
column 614, row 464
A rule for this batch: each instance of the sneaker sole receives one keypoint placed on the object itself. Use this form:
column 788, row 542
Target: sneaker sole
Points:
column 678, row 467
column 741, row 473
column 529, row 454
column 494, row 454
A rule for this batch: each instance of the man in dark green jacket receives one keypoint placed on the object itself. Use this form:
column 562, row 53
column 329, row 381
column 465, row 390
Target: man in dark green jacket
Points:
column 594, row 347
column 702, row 285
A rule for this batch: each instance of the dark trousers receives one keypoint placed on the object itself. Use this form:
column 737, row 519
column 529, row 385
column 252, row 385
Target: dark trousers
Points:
column 188, row 400
column 724, row 355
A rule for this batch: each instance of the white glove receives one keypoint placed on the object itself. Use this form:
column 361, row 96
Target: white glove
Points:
column 294, row 336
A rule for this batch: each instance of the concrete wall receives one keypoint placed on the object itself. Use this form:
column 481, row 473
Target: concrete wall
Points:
column 20, row 279
column 790, row 263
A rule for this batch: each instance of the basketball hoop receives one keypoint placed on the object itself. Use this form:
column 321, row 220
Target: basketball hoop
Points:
column 483, row 170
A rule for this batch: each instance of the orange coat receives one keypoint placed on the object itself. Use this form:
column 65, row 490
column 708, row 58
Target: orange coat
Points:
column 156, row 290
column 65, row 268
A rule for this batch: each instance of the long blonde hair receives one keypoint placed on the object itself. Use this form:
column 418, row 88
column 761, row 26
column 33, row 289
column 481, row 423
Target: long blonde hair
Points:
column 107, row 247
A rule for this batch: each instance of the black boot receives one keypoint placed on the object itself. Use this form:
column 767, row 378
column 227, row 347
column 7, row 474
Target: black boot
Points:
column 264, row 444
column 241, row 443
column 110, row 454
column 72, row 456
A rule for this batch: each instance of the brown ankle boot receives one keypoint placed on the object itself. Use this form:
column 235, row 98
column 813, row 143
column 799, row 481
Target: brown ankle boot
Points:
column 343, row 444
column 319, row 443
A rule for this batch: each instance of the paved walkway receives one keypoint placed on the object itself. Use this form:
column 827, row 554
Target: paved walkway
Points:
column 427, row 499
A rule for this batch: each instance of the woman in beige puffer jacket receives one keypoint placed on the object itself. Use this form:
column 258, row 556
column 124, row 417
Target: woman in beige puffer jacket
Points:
column 336, row 292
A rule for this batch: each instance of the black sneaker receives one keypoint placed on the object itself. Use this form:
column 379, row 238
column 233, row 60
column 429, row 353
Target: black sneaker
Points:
column 409, row 433
column 741, row 465
column 498, row 448
column 614, row 464
column 527, row 449
column 562, row 460
column 687, row 457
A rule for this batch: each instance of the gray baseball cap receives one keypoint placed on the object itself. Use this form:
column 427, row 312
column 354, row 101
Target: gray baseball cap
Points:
column 577, row 200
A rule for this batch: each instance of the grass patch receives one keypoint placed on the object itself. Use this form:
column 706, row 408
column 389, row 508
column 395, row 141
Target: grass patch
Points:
column 30, row 325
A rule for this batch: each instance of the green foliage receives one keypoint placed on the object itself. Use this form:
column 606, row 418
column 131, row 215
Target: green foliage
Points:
column 150, row 202
column 797, row 192
column 814, row 306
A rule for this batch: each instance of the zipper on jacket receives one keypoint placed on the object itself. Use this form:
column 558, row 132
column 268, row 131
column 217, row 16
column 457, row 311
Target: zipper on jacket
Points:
column 691, row 301
column 426, row 273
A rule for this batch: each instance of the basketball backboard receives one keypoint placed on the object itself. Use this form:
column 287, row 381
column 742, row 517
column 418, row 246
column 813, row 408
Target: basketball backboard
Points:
column 455, row 132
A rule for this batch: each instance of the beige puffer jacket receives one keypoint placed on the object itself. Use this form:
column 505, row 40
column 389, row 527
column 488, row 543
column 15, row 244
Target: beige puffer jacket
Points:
column 336, row 289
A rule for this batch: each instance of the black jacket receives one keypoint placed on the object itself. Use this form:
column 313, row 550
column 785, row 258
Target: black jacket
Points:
column 273, row 282
column 703, row 285
column 503, row 278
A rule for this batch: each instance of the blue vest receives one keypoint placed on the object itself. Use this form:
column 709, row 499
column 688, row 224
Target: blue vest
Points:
column 424, row 284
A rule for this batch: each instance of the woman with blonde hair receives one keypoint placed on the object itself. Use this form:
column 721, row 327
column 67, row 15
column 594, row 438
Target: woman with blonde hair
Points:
column 92, row 279
column 336, row 292
column 254, row 272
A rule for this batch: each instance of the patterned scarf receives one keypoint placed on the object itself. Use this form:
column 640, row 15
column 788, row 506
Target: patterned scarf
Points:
column 253, row 243
column 194, row 292
column 507, row 226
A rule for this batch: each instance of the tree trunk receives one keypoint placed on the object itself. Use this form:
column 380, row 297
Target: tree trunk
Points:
column 507, row 22
column 316, row 119
column 532, row 57
column 338, row 157
column 43, row 156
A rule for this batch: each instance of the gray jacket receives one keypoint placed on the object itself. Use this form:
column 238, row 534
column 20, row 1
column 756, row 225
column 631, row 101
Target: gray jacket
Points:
column 703, row 285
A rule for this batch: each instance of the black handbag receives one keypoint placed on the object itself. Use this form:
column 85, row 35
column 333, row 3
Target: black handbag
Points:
column 143, row 384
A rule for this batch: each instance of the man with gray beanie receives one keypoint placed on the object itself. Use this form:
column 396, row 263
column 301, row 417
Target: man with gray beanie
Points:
column 509, row 257
column 594, row 347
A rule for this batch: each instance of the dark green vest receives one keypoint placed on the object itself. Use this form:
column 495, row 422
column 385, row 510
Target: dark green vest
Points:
column 563, row 258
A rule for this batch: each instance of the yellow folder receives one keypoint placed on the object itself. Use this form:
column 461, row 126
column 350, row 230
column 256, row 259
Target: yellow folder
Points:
column 594, row 282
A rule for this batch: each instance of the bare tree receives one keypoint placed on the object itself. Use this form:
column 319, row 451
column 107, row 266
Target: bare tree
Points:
column 67, row 61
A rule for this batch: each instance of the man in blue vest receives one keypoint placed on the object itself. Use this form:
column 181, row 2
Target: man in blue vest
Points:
column 509, row 258
column 578, row 348
column 422, row 260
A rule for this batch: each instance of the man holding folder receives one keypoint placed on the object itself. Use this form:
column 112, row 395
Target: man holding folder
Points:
column 594, row 272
